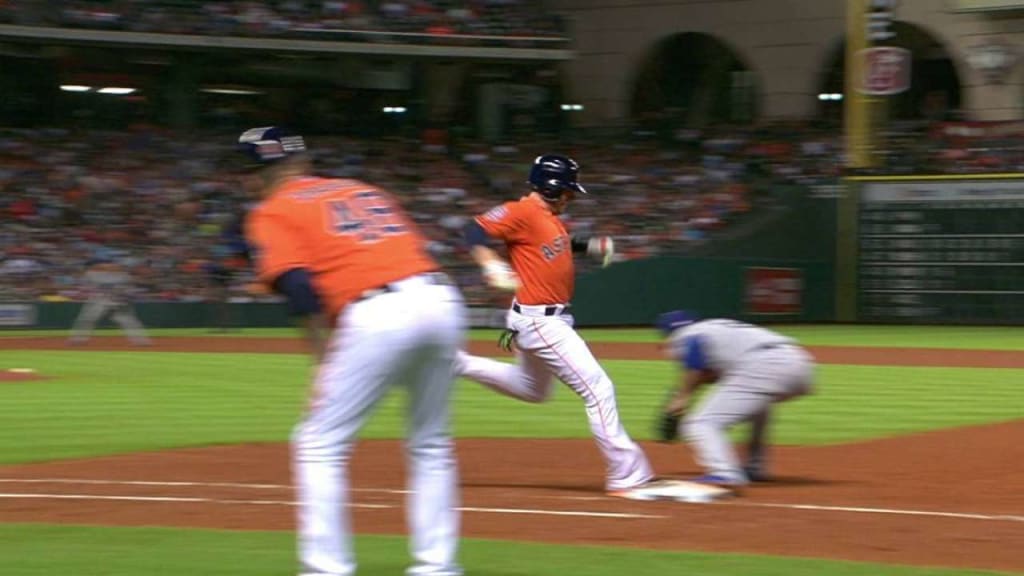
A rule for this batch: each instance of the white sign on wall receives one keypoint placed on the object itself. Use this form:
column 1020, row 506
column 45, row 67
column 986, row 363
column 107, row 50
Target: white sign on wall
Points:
column 886, row 70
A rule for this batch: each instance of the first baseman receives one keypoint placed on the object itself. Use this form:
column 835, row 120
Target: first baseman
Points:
column 345, row 255
column 753, row 369
column 542, row 275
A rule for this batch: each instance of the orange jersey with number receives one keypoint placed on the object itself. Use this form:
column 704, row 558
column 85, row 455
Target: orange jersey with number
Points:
column 349, row 235
column 539, row 249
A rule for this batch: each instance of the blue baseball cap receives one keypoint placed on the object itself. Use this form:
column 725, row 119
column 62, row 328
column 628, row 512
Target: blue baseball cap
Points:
column 669, row 322
column 268, row 144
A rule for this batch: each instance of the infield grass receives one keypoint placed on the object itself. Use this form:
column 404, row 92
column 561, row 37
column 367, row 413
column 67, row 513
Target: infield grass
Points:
column 959, row 337
column 112, row 402
column 45, row 550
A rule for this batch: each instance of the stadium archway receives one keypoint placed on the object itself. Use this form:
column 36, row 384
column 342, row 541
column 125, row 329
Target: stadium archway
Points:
column 935, row 87
column 693, row 79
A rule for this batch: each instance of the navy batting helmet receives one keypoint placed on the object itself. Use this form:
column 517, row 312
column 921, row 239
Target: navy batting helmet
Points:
column 266, row 145
column 552, row 174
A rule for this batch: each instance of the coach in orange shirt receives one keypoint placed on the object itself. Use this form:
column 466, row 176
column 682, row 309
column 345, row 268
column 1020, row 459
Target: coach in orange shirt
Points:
column 345, row 255
column 542, row 275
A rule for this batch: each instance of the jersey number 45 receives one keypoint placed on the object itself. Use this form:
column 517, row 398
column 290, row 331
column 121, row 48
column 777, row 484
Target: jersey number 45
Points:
column 366, row 215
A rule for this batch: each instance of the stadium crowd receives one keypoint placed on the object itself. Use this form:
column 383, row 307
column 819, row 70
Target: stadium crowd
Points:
column 323, row 19
column 169, row 206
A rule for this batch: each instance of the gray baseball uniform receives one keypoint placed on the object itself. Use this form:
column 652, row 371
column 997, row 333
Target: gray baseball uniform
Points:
column 109, row 293
column 756, row 369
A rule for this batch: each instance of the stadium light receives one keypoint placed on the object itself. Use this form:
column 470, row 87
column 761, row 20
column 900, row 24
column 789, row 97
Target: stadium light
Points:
column 394, row 109
column 116, row 91
column 572, row 107
column 75, row 88
column 232, row 91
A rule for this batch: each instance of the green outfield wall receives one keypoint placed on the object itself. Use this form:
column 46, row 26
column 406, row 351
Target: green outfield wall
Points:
column 626, row 294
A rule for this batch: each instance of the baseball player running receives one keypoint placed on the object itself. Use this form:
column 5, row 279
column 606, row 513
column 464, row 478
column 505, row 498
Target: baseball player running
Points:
column 542, row 275
column 109, row 288
column 344, row 254
column 754, row 368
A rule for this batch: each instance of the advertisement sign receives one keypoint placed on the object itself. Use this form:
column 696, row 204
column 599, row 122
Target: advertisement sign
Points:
column 17, row 315
column 774, row 291
column 886, row 70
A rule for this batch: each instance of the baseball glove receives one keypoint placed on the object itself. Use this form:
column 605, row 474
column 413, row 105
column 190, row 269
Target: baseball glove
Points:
column 667, row 427
column 507, row 339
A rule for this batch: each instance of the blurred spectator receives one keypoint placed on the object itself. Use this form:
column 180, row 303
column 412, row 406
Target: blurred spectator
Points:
column 174, row 218
column 327, row 19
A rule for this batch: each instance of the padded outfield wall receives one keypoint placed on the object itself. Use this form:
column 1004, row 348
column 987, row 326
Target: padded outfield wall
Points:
column 627, row 294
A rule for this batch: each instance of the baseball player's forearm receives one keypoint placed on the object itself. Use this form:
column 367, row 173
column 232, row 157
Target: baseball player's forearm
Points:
column 602, row 247
column 316, row 331
column 483, row 255
column 497, row 272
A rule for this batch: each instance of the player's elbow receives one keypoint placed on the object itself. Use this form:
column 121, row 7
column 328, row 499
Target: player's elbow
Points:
column 297, row 287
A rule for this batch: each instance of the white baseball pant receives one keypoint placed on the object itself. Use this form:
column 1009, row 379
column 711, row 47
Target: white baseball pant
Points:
column 549, row 346
column 408, row 338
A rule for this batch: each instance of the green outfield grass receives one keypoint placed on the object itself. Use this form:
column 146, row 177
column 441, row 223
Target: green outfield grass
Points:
column 961, row 337
column 41, row 550
column 110, row 402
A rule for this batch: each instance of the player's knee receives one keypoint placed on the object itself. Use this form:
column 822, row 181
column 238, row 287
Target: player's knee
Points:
column 535, row 389
column 696, row 427
column 534, row 396
column 310, row 445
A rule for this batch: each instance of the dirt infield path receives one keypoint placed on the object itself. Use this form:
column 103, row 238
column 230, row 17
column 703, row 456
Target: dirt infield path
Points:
column 947, row 498
column 604, row 350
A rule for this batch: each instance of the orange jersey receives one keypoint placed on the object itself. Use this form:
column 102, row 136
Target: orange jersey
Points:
column 539, row 249
column 351, row 236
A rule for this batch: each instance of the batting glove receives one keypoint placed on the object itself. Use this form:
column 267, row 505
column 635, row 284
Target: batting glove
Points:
column 603, row 247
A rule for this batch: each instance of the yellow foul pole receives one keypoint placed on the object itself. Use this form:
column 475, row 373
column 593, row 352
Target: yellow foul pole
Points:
column 857, row 130
column 857, row 111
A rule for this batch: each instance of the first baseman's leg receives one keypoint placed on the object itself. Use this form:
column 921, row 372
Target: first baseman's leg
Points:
column 707, row 429
column 553, row 340
column 747, row 394
column 756, row 465
column 432, row 503
column 125, row 316
column 528, row 379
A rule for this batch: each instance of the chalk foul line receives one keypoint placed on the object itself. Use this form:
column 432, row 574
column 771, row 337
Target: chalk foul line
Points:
column 593, row 514
column 200, row 500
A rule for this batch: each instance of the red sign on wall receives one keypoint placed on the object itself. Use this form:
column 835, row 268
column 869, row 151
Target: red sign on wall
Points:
column 774, row 290
column 886, row 70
